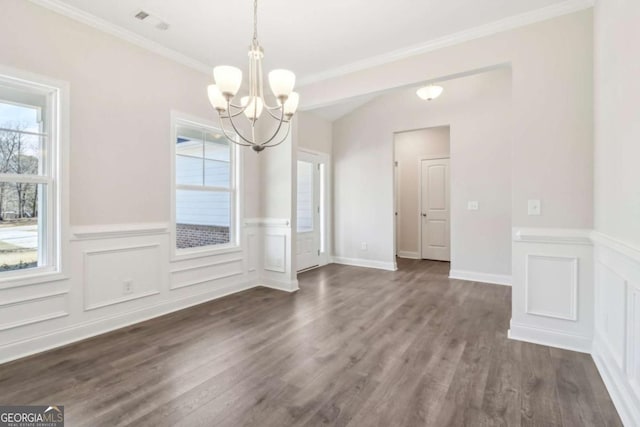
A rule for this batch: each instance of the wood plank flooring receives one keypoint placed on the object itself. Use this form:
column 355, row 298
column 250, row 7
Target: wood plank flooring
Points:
column 354, row 346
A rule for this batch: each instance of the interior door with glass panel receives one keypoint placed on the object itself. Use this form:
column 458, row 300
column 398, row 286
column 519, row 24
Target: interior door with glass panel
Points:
column 309, row 207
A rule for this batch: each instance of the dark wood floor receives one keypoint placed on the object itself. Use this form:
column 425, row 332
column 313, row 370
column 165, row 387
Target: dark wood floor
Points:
column 354, row 346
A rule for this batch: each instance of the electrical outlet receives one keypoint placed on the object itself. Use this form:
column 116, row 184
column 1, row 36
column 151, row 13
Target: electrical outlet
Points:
column 364, row 246
column 472, row 205
column 534, row 208
column 127, row 286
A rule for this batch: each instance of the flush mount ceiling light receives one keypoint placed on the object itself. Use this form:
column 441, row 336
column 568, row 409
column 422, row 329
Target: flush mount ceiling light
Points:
column 430, row 92
column 227, row 83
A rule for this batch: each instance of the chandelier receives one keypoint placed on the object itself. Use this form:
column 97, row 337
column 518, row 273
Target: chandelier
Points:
column 227, row 83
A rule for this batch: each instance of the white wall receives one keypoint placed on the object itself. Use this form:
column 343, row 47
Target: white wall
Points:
column 121, row 98
column 617, row 203
column 551, row 108
column 477, row 110
column 617, row 67
column 314, row 132
column 410, row 147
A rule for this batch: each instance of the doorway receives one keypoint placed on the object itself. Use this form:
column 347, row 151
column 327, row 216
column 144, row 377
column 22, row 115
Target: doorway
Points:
column 421, row 193
column 311, row 210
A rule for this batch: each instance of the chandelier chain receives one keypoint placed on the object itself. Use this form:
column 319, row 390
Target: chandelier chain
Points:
column 255, row 20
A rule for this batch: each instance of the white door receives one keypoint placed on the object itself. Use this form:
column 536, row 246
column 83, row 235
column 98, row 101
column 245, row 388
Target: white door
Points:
column 434, row 212
column 308, row 236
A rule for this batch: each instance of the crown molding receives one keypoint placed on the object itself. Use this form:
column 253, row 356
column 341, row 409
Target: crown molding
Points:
column 124, row 34
column 538, row 15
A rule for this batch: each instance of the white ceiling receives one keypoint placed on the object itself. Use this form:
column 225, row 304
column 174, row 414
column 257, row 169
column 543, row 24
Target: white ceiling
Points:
column 307, row 37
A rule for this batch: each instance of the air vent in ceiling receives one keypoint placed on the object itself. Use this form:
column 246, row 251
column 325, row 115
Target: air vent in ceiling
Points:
column 150, row 19
column 142, row 15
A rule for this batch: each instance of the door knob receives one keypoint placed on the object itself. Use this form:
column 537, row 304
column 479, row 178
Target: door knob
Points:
column 424, row 215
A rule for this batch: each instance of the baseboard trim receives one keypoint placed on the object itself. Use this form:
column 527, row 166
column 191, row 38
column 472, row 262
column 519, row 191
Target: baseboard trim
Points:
column 408, row 255
column 474, row 276
column 78, row 332
column 619, row 391
column 367, row 263
column 550, row 337
column 279, row 285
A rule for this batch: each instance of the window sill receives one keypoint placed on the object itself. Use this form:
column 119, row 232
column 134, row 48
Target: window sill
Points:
column 32, row 278
column 187, row 254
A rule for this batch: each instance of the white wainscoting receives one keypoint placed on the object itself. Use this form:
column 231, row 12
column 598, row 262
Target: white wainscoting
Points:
column 28, row 311
column 275, row 252
column 137, row 266
column 368, row 263
column 552, row 297
column 408, row 255
column 616, row 345
column 94, row 299
column 277, row 269
column 475, row 276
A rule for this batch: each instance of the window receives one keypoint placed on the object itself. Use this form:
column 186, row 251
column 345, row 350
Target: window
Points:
column 29, row 227
column 305, row 211
column 205, row 188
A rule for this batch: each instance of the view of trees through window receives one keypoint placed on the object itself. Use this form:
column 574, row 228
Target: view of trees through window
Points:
column 20, row 147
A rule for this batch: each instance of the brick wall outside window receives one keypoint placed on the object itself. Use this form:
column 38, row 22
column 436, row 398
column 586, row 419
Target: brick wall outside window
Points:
column 193, row 236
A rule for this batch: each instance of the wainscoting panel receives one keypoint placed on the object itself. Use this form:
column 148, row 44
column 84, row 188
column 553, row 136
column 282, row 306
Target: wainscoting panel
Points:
column 275, row 247
column 611, row 311
column 206, row 272
column 19, row 313
column 552, row 299
column 551, row 286
column 616, row 346
column 277, row 261
column 116, row 275
column 634, row 341
column 252, row 250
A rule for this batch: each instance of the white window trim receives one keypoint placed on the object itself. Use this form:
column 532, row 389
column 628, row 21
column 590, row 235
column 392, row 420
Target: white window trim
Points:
column 178, row 118
column 58, row 206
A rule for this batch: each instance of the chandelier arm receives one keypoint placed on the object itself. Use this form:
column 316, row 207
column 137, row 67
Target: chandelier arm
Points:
column 275, row 107
column 263, row 144
column 282, row 140
column 231, row 138
column 273, row 115
column 237, row 113
column 235, row 129
column 228, row 116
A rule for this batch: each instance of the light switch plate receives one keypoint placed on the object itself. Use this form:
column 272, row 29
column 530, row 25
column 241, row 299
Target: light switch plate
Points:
column 534, row 208
column 472, row 205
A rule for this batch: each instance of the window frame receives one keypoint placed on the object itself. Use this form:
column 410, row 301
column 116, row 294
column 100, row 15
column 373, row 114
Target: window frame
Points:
column 54, row 160
column 235, row 190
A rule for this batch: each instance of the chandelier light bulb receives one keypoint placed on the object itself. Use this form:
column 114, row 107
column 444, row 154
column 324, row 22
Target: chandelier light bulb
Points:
column 429, row 93
column 282, row 82
column 253, row 106
column 216, row 98
column 291, row 104
column 228, row 79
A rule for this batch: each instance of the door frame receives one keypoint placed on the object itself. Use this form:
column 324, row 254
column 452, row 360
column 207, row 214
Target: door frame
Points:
column 419, row 213
column 325, row 239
